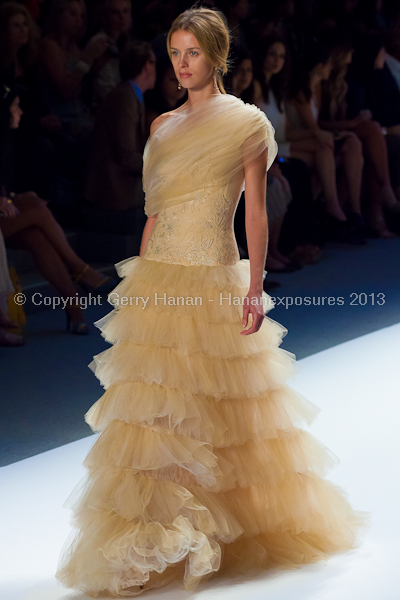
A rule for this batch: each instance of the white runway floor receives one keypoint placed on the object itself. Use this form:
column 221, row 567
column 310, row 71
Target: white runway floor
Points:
column 356, row 385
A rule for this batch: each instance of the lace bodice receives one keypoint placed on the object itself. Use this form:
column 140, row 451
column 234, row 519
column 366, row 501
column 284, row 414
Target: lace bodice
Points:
column 193, row 176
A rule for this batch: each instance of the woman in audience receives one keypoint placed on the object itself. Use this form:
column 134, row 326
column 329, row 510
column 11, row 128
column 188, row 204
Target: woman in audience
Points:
column 63, row 64
column 323, row 149
column 288, row 184
column 373, row 87
column 333, row 116
column 19, row 36
column 115, row 19
column 32, row 227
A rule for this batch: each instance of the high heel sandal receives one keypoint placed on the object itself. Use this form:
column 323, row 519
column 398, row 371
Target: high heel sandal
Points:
column 76, row 327
column 106, row 285
column 340, row 231
column 378, row 229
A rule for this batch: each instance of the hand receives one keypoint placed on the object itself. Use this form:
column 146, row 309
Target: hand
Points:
column 253, row 303
column 366, row 114
column 51, row 123
column 7, row 208
column 362, row 117
column 324, row 138
column 96, row 47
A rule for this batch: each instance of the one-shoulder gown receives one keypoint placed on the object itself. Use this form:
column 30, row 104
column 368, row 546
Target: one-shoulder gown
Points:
column 201, row 466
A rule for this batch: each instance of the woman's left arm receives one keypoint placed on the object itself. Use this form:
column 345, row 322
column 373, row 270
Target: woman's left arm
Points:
column 257, row 238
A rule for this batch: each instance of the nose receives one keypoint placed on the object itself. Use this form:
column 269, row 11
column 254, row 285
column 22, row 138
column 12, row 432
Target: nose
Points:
column 183, row 61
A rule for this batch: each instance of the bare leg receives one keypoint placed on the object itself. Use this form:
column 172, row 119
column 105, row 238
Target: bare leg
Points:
column 49, row 265
column 34, row 212
column 376, row 217
column 375, row 151
column 325, row 165
column 275, row 259
column 352, row 162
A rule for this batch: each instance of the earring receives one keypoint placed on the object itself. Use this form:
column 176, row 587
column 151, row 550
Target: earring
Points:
column 215, row 81
column 179, row 85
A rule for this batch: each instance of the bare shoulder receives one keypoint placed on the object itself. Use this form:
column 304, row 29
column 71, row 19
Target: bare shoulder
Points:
column 161, row 119
column 158, row 121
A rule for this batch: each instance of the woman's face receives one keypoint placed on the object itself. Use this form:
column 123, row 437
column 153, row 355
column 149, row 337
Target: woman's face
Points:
column 71, row 21
column 118, row 17
column 16, row 114
column 18, row 31
column 243, row 76
column 169, row 86
column 188, row 60
column 274, row 60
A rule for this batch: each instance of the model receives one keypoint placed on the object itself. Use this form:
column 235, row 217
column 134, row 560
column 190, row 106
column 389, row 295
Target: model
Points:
column 201, row 468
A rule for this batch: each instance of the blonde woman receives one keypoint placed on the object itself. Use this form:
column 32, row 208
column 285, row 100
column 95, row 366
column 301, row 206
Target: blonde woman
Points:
column 199, row 469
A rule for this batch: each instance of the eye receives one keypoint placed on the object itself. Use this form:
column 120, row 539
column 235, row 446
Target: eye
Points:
column 194, row 52
column 174, row 52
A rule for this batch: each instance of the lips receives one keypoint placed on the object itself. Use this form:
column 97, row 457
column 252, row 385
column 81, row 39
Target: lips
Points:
column 185, row 74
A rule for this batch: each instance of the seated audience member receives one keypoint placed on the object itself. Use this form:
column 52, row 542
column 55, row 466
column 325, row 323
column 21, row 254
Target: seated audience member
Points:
column 62, row 68
column 299, row 233
column 165, row 96
column 26, row 223
column 114, row 180
column 115, row 19
column 63, row 65
column 331, row 151
column 279, row 193
column 333, row 116
column 372, row 87
column 19, row 36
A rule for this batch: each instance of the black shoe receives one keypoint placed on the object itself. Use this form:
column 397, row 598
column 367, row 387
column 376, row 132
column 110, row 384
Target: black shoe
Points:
column 341, row 231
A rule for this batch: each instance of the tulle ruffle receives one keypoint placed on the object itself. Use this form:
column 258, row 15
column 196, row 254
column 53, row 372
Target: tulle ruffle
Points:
column 200, row 468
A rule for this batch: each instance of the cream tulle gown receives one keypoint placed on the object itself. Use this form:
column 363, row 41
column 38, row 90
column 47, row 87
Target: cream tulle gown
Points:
column 201, row 467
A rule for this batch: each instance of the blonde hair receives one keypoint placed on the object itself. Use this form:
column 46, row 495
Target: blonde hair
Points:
column 336, row 86
column 211, row 31
column 27, row 54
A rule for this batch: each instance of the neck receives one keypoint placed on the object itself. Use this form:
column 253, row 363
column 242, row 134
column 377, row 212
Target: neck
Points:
column 237, row 91
column 64, row 40
column 267, row 76
column 141, row 83
column 197, row 97
column 14, row 53
column 113, row 34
